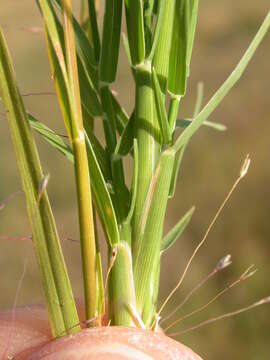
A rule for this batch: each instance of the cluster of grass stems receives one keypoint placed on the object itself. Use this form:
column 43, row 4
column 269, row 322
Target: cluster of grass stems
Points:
column 158, row 45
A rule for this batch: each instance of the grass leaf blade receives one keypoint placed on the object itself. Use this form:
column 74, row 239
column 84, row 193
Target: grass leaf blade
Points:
column 170, row 238
column 225, row 88
column 160, row 51
column 110, row 40
column 51, row 137
column 135, row 29
column 178, row 56
column 121, row 116
column 125, row 142
column 60, row 302
column 94, row 28
column 102, row 197
column 183, row 123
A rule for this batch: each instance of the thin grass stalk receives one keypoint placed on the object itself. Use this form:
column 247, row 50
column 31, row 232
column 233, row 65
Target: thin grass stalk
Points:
column 87, row 234
column 84, row 50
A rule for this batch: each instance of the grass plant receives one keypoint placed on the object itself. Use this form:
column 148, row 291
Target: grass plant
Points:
column 83, row 64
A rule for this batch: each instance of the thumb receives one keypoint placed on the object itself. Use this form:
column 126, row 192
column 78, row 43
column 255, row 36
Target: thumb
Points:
column 27, row 336
column 114, row 343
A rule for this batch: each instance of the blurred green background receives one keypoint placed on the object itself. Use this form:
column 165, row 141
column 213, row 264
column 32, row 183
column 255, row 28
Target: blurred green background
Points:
column 210, row 166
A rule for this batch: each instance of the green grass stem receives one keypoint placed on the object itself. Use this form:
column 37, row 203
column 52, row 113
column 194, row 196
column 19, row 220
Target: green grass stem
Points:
column 87, row 234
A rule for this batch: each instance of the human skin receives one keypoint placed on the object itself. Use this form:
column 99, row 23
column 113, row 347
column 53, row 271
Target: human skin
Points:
column 25, row 334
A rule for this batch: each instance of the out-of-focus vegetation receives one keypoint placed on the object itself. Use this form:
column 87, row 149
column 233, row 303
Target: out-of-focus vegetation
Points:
column 210, row 166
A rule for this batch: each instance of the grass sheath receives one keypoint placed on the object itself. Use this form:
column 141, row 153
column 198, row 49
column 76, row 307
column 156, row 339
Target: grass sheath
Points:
column 158, row 44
